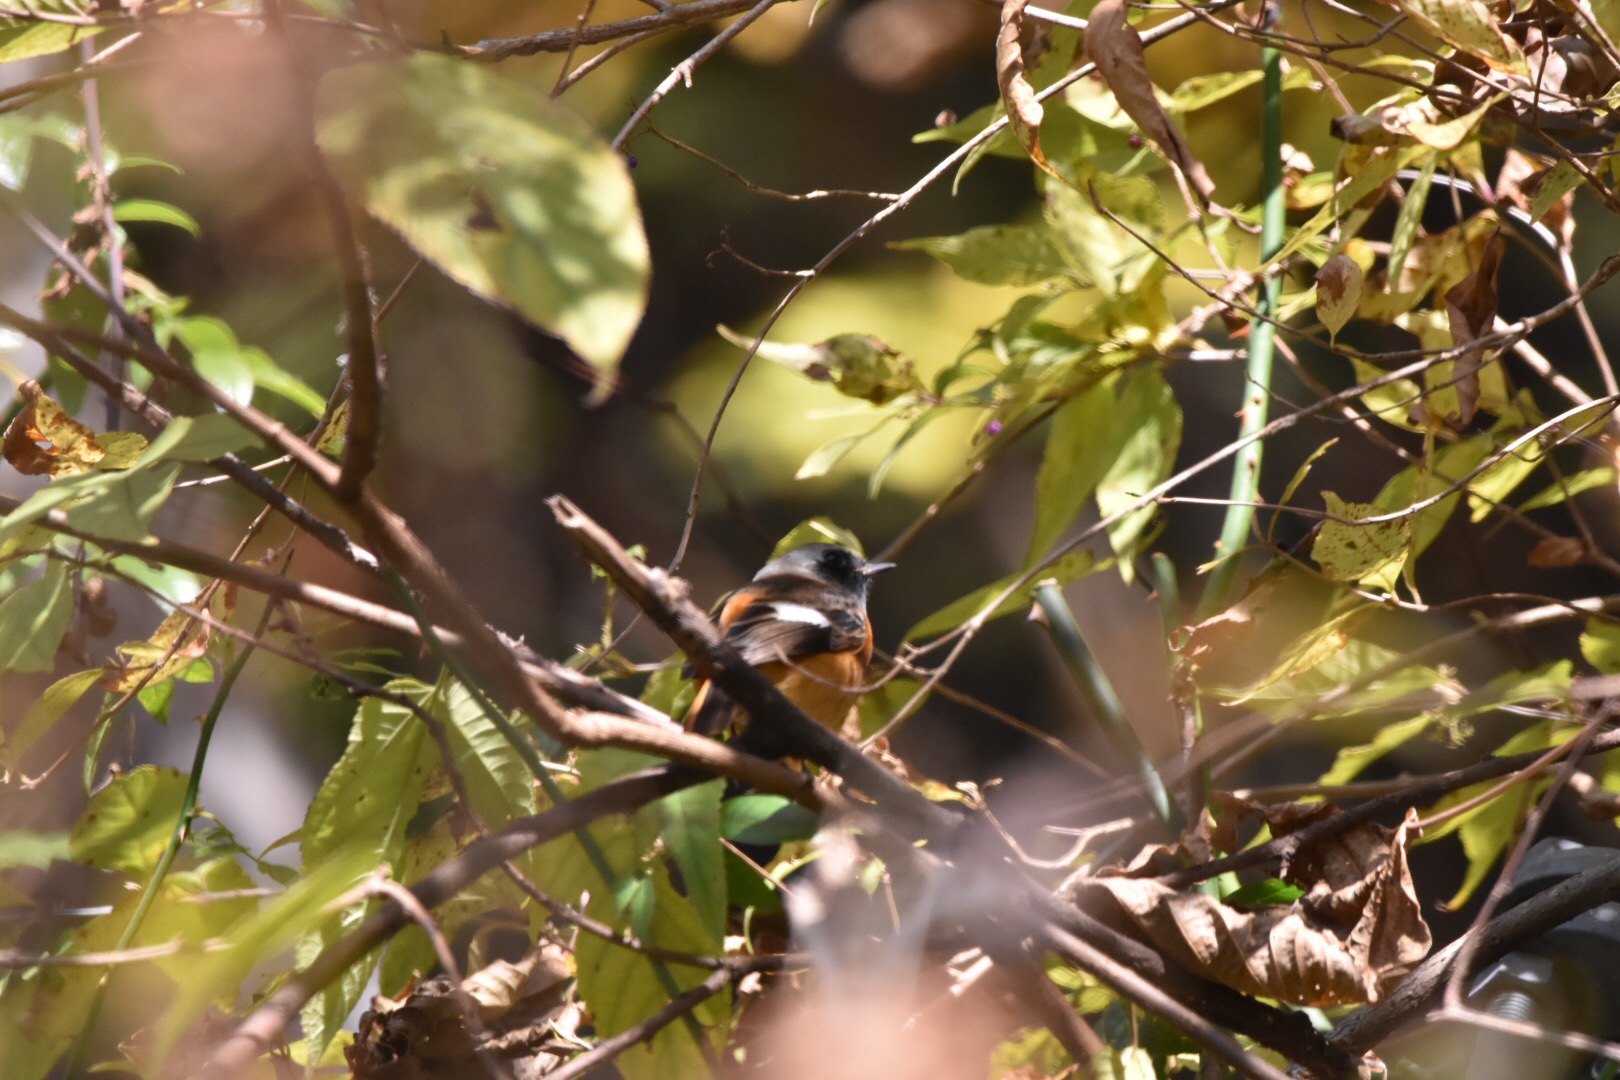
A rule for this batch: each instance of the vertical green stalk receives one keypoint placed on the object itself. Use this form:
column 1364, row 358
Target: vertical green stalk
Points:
column 1106, row 708
column 74, row 1066
column 1262, row 337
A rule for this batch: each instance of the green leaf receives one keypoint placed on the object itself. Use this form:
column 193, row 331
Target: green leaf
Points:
column 1351, row 760
column 37, row 850
column 997, row 254
column 43, row 714
column 1263, row 893
column 129, row 822
column 1553, row 494
column 198, row 438
column 33, row 620
column 504, row 190
column 1147, row 423
column 1072, row 566
column 1370, row 555
column 151, row 210
column 24, row 38
column 272, row 929
column 498, row 782
column 1077, row 455
column 766, row 819
column 622, row 987
column 1600, row 644
column 689, row 823
column 363, row 808
column 16, row 150
column 817, row 530
column 1202, row 91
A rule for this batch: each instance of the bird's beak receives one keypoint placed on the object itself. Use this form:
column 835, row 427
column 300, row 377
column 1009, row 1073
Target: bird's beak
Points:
column 876, row 568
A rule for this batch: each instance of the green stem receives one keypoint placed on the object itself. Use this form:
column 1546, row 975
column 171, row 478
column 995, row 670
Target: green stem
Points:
column 1109, row 711
column 1262, row 340
column 182, row 827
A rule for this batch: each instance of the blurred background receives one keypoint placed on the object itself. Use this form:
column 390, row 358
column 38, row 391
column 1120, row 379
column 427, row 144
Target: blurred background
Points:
column 486, row 418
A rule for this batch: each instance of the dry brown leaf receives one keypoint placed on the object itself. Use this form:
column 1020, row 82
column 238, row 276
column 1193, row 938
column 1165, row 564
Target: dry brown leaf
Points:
column 1338, row 292
column 1024, row 113
column 43, row 440
column 1349, row 940
column 1471, row 309
column 1556, row 552
column 1116, row 48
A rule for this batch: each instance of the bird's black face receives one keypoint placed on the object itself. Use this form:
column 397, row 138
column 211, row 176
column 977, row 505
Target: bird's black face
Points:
column 826, row 562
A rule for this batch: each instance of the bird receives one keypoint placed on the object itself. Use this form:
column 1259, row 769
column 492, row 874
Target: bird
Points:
column 802, row 623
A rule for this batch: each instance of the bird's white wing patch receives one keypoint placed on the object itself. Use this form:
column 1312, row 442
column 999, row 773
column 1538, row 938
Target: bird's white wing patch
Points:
column 790, row 612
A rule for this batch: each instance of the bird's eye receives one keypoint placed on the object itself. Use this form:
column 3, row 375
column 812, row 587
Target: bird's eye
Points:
column 835, row 559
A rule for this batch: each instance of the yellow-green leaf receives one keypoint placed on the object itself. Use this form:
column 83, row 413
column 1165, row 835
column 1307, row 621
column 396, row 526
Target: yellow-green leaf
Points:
column 505, row 190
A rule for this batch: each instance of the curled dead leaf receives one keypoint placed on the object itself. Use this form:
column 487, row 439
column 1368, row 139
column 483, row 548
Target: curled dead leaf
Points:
column 1024, row 113
column 1471, row 310
column 1350, row 939
column 1116, row 48
column 43, row 440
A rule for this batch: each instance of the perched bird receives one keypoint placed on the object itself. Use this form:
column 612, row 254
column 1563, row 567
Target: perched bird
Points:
column 802, row 623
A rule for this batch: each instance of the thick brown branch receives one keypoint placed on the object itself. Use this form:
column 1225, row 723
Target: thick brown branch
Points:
column 664, row 600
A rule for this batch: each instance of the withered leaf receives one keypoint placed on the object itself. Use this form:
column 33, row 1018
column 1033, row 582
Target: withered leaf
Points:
column 1471, row 309
column 1338, row 292
column 1350, row 939
column 1556, row 552
column 43, row 440
column 1116, row 48
column 1024, row 113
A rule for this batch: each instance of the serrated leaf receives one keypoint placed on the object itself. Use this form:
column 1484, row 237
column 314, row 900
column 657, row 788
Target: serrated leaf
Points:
column 34, row 618
column 198, row 438
column 498, row 782
column 21, row 39
column 129, row 822
column 508, row 192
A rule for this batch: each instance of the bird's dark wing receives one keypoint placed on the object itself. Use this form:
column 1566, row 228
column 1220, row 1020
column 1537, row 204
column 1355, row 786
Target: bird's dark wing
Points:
column 770, row 627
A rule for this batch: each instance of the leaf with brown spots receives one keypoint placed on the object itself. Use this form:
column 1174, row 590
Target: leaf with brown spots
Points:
column 43, row 440
column 1471, row 309
column 1116, row 48
column 1338, row 292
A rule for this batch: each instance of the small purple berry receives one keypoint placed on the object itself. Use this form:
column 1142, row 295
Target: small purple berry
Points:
column 1134, row 142
column 630, row 160
column 993, row 428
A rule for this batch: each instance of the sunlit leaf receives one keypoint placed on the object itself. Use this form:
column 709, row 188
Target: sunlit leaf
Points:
column 997, row 254
column 152, row 210
column 508, row 192
column 1077, row 455
column 34, row 618
column 1600, row 645
column 1148, row 420
column 129, row 822
column 1353, row 553
column 1351, row 760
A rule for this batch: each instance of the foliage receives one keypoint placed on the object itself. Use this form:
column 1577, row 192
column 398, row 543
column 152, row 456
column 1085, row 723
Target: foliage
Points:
column 486, row 789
